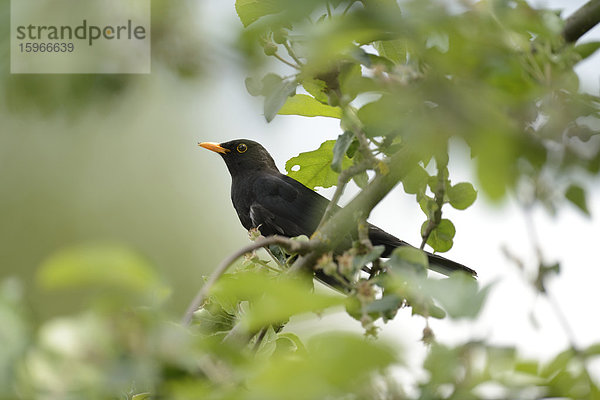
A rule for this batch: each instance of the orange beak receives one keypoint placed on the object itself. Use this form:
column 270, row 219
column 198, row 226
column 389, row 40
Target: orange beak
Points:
column 217, row 148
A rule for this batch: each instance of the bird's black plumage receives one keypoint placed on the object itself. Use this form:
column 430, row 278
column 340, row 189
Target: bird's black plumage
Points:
column 279, row 205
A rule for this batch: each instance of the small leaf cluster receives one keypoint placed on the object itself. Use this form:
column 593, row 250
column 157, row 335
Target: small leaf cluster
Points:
column 497, row 76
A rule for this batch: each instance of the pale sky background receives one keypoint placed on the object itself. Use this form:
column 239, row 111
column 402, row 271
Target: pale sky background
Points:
column 570, row 237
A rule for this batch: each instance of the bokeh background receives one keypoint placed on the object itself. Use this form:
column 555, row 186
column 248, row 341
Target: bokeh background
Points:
column 114, row 159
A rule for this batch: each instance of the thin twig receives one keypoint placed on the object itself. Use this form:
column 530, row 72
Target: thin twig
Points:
column 275, row 258
column 291, row 53
column 532, row 233
column 562, row 319
column 440, row 190
column 293, row 246
column 283, row 60
column 535, row 243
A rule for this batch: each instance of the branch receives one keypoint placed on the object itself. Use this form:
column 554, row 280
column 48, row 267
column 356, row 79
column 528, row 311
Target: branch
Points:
column 554, row 304
column 291, row 53
column 581, row 21
column 440, row 191
column 363, row 147
column 343, row 179
column 293, row 246
column 283, row 60
column 332, row 234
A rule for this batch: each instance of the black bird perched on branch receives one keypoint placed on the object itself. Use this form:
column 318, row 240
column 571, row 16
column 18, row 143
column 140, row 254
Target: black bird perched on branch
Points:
column 266, row 199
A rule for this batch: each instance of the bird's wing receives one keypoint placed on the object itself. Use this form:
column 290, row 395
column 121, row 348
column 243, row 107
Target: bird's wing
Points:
column 285, row 207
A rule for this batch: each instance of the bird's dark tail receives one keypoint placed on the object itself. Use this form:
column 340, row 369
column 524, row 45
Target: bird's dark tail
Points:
column 445, row 266
column 436, row 263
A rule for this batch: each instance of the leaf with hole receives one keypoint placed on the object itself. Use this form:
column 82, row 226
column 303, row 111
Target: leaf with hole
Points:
column 313, row 168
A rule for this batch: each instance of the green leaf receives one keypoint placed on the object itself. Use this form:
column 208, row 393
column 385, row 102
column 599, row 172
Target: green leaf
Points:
column 361, row 179
column 273, row 300
column 381, row 117
column 363, row 259
column 352, row 82
column 268, row 344
column 308, row 106
column 284, row 345
column 313, row 168
column 339, row 150
column 441, row 237
column 251, row 10
column 407, row 258
column 415, row 182
column 93, row 265
column 394, row 50
column 558, row 364
column 294, row 339
column 443, row 363
column 461, row 195
column 495, row 163
column 253, row 86
column 586, row 49
column 428, row 205
column 593, row 350
column 317, row 89
column 528, row 367
column 384, row 305
column 276, row 95
column 212, row 318
column 335, row 364
column 576, row 195
column 459, row 295
column 409, row 265
column 439, row 41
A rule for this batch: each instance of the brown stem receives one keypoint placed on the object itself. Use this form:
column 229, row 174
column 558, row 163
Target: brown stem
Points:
column 581, row 21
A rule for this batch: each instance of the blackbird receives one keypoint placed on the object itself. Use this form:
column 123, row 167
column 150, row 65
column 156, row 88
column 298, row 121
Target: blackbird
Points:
column 266, row 199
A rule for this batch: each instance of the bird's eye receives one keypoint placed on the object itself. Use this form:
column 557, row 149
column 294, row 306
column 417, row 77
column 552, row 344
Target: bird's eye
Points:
column 242, row 148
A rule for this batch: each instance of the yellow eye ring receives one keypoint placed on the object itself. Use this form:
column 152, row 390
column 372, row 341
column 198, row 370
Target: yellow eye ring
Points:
column 241, row 148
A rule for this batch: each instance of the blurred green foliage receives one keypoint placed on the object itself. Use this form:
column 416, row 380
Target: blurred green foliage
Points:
column 110, row 159
column 68, row 93
column 495, row 75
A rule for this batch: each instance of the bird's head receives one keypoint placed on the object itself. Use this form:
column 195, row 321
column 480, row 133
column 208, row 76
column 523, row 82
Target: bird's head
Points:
column 242, row 155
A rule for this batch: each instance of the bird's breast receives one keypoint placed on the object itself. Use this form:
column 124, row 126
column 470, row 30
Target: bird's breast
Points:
column 242, row 197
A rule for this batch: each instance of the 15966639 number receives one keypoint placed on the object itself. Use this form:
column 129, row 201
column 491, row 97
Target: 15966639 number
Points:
column 46, row 47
